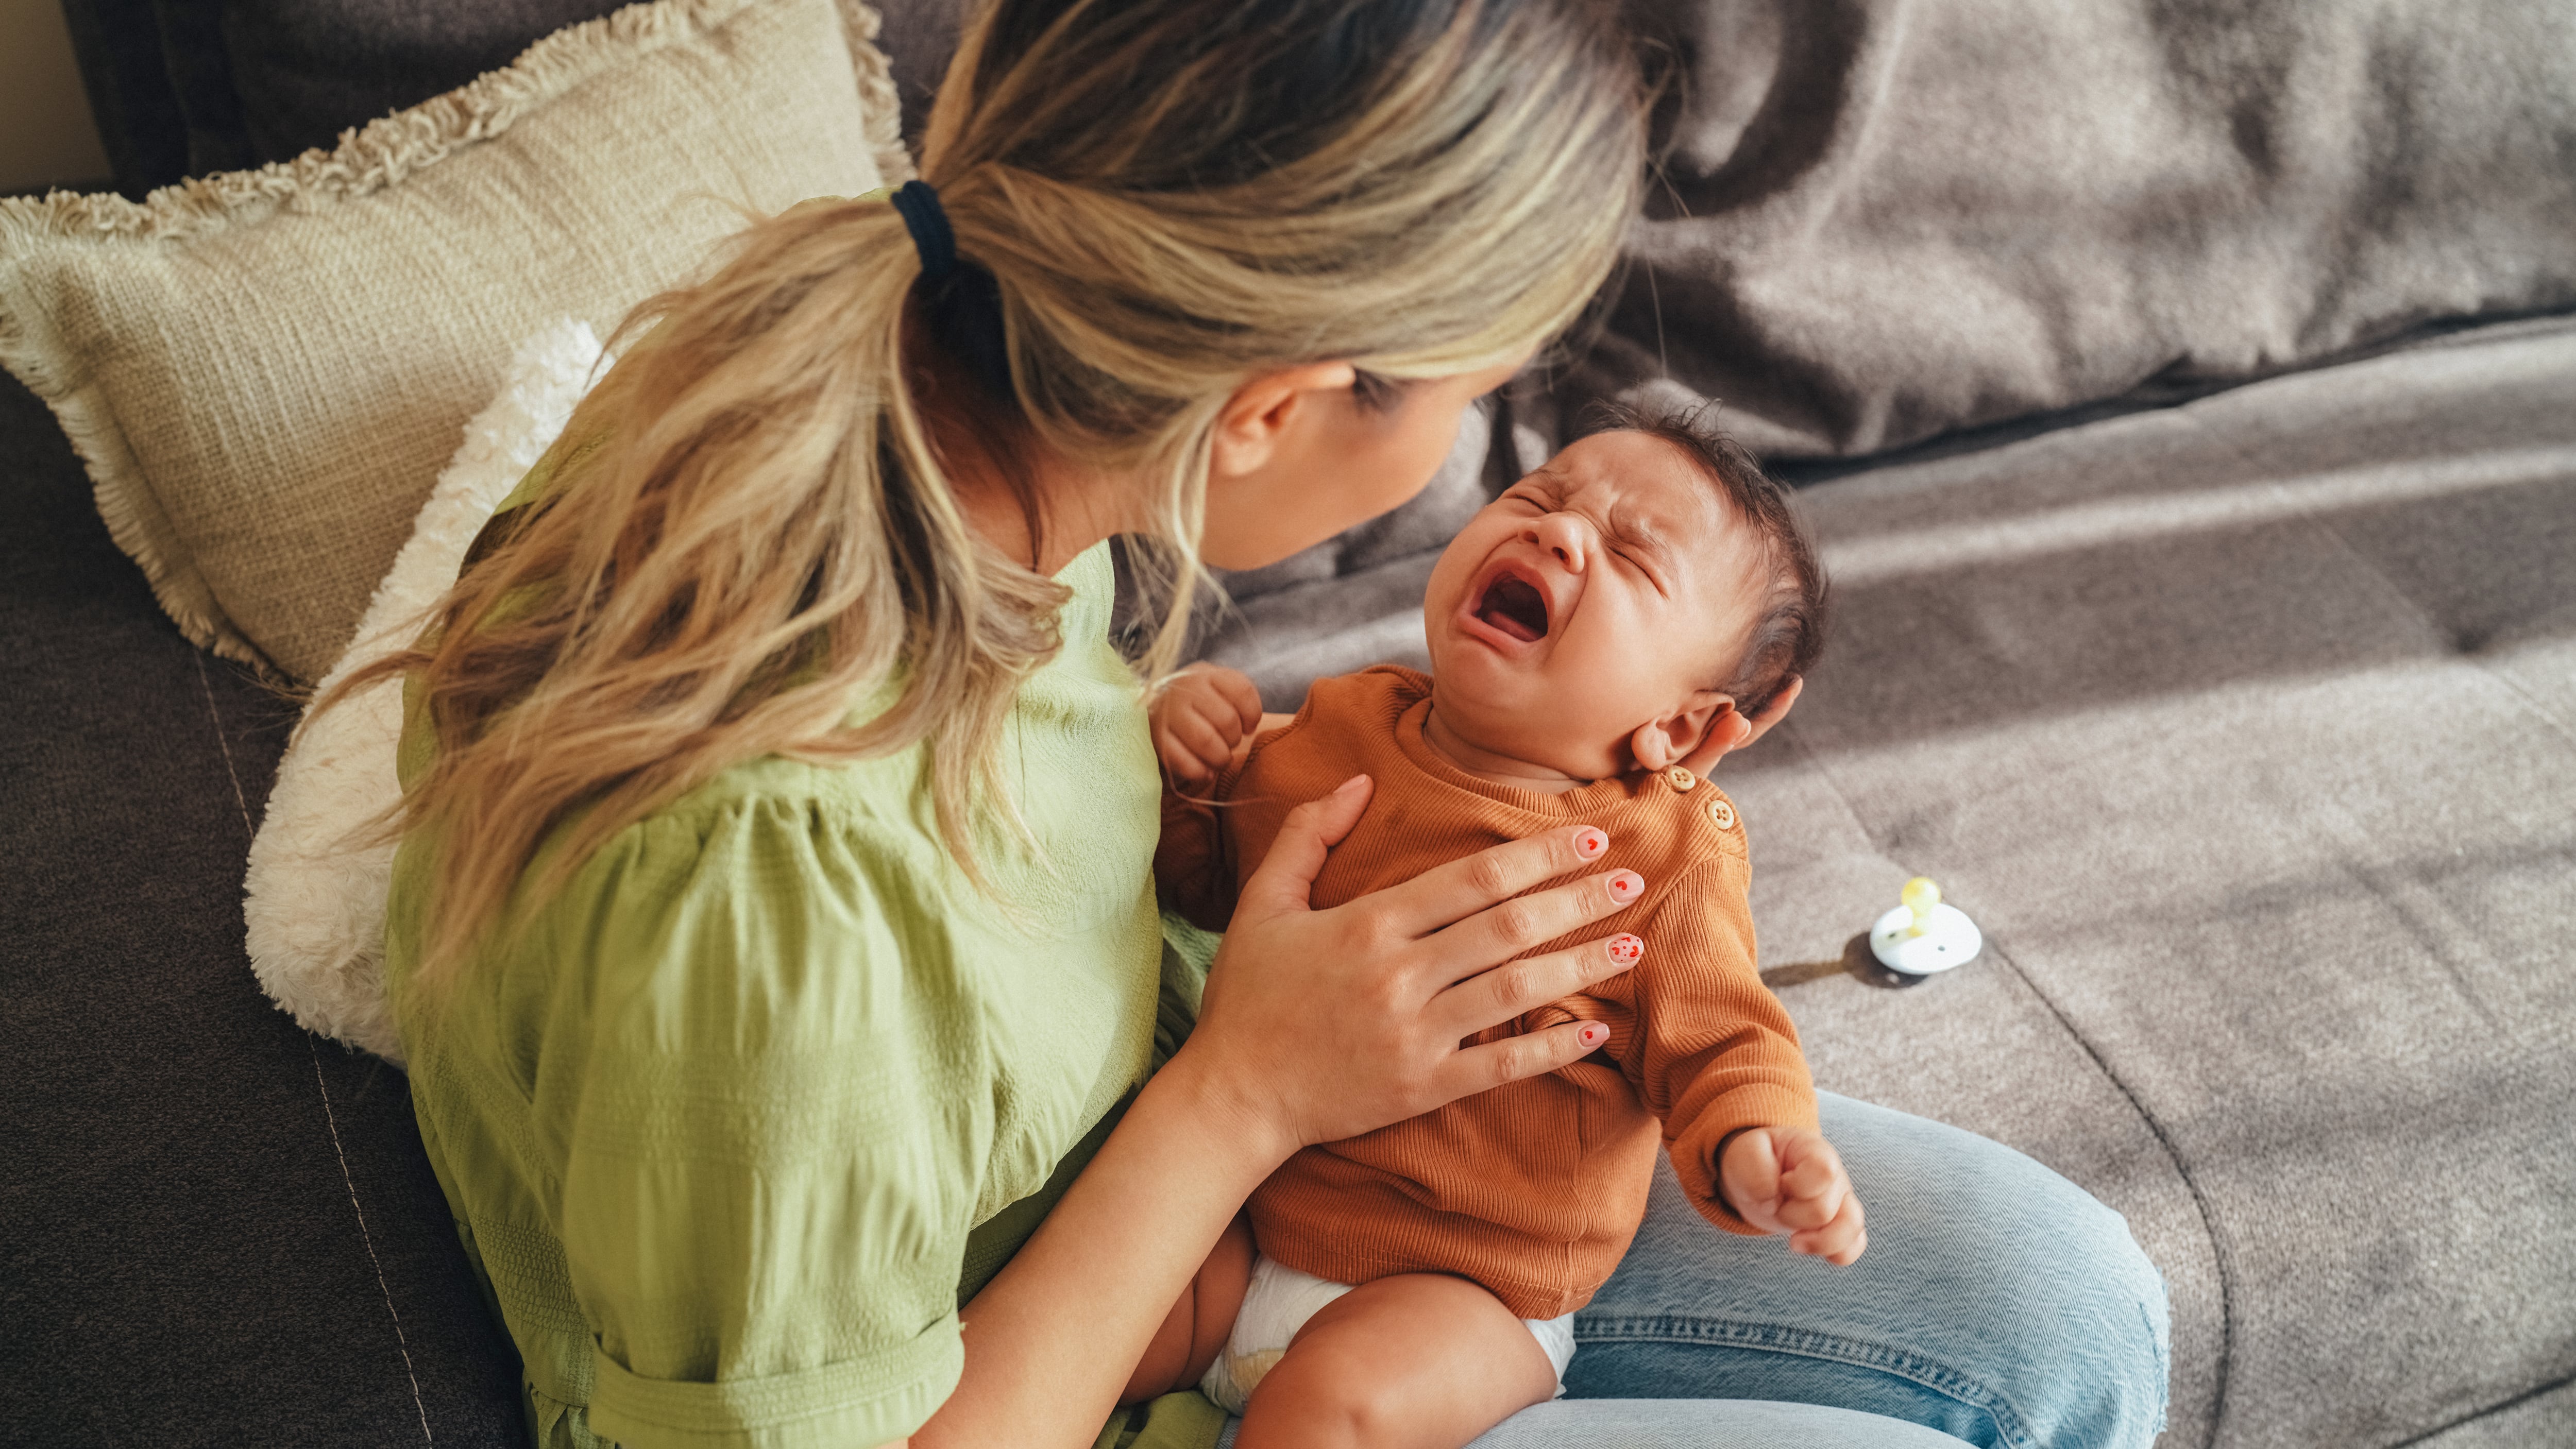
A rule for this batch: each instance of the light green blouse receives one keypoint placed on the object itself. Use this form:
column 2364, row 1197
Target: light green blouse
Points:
column 742, row 1115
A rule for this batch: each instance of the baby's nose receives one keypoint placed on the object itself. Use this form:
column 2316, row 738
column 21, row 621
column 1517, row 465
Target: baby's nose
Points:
column 1565, row 536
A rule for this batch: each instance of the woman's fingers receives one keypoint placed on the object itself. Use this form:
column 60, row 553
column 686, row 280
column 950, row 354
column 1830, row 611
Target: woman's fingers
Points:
column 1530, row 1054
column 1503, row 931
column 1286, row 876
column 1448, row 894
column 1505, row 992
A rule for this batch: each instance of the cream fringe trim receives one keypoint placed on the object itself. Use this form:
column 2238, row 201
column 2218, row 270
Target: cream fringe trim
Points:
column 367, row 159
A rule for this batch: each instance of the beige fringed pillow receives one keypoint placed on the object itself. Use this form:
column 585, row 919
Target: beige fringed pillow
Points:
column 265, row 370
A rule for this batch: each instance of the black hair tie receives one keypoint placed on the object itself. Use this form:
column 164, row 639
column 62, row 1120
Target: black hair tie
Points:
column 927, row 220
column 960, row 300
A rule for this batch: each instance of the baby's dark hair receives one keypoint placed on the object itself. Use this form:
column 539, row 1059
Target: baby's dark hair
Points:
column 1791, row 630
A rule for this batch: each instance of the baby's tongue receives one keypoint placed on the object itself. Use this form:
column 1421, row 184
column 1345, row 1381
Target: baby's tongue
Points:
column 1515, row 608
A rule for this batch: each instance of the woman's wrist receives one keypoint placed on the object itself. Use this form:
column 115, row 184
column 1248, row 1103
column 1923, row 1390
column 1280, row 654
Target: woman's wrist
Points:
column 1052, row 1338
column 1236, row 1132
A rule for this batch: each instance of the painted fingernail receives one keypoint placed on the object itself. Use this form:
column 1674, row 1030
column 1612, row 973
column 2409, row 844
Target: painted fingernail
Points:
column 1627, row 950
column 1625, row 886
column 1589, row 843
column 1593, row 1034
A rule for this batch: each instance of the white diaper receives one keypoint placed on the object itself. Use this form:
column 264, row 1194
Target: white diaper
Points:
column 1278, row 1304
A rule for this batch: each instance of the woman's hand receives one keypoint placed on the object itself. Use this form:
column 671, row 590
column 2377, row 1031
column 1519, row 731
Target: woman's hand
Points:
column 1317, row 1025
column 1321, row 1025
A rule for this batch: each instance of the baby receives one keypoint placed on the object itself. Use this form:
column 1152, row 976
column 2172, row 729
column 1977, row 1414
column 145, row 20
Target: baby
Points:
column 1642, row 601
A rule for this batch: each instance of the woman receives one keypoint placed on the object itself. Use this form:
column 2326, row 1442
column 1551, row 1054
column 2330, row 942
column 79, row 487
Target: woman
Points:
column 772, row 935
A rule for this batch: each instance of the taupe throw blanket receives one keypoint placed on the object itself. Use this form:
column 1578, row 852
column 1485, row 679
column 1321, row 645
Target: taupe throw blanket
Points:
column 1890, row 218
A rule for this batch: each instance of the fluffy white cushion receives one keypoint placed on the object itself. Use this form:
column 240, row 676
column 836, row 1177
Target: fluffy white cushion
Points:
column 315, row 895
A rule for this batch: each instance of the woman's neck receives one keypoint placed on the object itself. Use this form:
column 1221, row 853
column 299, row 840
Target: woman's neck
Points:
column 1032, row 505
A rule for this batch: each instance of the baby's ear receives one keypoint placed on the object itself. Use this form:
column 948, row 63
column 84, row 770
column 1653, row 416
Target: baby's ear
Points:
column 1731, row 731
column 1667, row 741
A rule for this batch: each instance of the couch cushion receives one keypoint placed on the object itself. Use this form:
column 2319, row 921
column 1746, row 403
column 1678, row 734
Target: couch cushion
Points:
column 265, row 370
column 1889, row 218
column 220, row 1230
column 303, row 71
column 2246, row 730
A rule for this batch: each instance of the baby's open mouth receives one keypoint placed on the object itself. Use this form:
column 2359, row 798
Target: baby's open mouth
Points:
column 1514, row 606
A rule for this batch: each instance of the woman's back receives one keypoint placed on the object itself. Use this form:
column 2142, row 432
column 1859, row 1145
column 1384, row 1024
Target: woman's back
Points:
column 769, row 1057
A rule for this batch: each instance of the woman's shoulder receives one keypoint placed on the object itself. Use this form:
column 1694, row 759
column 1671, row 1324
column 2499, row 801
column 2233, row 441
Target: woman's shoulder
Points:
column 775, row 882
column 866, row 816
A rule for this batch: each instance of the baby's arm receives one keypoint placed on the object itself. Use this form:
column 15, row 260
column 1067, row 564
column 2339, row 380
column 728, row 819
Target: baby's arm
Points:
column 1715, row 1056
column 1203, row 722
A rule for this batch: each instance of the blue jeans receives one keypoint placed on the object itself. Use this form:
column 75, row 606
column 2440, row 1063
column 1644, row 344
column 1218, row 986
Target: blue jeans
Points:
column 1998, row 1304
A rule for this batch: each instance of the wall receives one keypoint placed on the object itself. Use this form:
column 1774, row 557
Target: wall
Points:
column 46, row 136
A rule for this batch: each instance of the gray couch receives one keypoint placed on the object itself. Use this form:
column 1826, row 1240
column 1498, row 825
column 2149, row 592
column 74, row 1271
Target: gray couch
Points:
column 2205, row 544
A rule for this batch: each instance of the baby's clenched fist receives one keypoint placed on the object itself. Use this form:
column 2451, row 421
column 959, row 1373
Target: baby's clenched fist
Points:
column 1201, row 717
column 1790, row 1180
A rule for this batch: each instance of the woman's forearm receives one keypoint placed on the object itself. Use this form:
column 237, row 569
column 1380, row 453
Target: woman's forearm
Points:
column 1052, row 1339
column 1316, row 1026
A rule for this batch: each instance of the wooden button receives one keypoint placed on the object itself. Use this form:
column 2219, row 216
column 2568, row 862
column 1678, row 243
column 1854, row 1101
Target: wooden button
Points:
column 1721, row 812
column 1680, row 777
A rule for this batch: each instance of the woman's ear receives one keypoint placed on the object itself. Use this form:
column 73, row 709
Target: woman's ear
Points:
column 1674, row 738
column 1252, row 426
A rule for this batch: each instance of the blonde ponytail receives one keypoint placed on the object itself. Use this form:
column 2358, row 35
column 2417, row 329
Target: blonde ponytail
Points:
column 760, row 538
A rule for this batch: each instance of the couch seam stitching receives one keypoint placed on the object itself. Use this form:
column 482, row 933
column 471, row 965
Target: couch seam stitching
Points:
column 215, row 716
column 2220, row 1258
column 2219, row 1255
column 402, row 1344
column 2488, row 1412
column 330, row 1119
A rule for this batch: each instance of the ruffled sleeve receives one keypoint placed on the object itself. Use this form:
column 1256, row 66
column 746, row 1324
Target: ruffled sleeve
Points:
column 759, row 1082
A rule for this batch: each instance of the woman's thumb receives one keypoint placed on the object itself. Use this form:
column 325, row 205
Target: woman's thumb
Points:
column 1297, row 852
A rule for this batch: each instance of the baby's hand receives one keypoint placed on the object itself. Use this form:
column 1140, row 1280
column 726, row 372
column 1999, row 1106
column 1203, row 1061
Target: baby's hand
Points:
column 1200, row 717
column 1790, row 1180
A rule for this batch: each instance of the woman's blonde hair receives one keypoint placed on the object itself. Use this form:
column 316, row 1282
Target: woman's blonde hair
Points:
column 750, row 536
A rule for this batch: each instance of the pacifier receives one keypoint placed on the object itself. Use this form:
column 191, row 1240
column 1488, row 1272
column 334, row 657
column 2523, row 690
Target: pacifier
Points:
column 1923, row 935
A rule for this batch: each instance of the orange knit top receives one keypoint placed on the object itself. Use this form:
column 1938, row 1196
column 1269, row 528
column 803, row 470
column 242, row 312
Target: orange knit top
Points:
column 1532, row 1189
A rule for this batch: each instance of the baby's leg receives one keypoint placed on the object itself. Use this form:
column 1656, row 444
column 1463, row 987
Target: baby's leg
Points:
column 1194, row 1332
column 1416, row 1361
